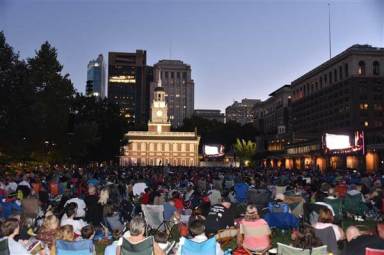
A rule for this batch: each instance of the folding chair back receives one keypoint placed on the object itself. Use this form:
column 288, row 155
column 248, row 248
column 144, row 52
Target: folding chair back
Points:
column 193, row 248
column 153, row 214
column 327, row 236
column 82, row 247
column 354, row 204
column 370, row 251
column 283, row 249
column 281, row 220
column 4, row 249
column 145, row 247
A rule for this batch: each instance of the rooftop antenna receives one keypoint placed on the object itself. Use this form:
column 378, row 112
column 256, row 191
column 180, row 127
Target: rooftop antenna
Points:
column 170, row 49
column 329, row 31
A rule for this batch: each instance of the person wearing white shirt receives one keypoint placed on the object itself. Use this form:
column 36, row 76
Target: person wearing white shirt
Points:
column 68, row 219
column 10, row 228
column 80, row 213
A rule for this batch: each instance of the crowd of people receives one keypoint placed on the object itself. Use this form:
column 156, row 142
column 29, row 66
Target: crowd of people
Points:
column 203, row 210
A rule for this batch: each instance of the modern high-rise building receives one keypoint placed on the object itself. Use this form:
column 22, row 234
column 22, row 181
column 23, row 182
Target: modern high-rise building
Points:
column 96, row 78
column 241, row 112
column 128, row 84
column 175, row 77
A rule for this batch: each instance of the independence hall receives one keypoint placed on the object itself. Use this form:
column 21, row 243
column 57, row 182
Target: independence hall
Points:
column 330, row 118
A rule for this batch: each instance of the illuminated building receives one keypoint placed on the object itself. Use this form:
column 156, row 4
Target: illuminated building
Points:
column 241, row 112
column 179, row 89
column 128, row 84
column 96, row 78
column 158, row 145
column 341, row 96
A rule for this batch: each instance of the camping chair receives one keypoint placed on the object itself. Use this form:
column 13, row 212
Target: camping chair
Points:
column 194, row 248
column 354, row 205
column 4, row 248
column 145, row 247
column 283, row 249
column 154, row 217
column 281, row 220
column 370, row 251
column 81, row 247
column 328, row 237
column 337, row 207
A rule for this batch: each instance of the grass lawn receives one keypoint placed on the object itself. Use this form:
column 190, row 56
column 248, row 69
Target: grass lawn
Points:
column 277, row 235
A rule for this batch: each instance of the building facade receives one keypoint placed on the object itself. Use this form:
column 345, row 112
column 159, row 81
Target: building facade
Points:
column 272, row 118
column 159, row 146
column 344, row 95
column 96, row 78
column 242, row 112
column 179, row 89
column 209, row 114
column 129, row 79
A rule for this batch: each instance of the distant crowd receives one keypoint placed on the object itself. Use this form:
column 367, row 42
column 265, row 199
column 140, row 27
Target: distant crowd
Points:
column 189, row 210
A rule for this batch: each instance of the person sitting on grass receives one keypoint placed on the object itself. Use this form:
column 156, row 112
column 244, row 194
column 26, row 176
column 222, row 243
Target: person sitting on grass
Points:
column 254, row 234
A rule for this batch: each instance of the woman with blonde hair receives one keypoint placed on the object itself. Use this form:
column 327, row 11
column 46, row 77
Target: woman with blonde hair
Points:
column 254, row 233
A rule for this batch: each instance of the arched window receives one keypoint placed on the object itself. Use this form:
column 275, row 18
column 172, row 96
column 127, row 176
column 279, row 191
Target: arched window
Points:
column 376, row 68
column 361, row 70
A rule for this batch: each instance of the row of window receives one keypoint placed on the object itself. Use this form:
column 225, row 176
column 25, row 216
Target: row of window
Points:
column 162, row 147
column 334, row 76
column 172, row 75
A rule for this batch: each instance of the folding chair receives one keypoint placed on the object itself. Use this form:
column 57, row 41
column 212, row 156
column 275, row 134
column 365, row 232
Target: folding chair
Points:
column 194, row 248
column 81, row 247
column 328, row 237
column 145, row 247
column 283, row 249
column 370, row 251
column 281, row 220
column 154, row 217
column 4, row 249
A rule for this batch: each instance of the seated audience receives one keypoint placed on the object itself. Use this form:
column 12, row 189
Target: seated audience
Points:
column 358, row 241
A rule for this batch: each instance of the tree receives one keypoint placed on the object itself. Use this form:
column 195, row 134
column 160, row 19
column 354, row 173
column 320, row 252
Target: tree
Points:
column 16, row 97
column 51, row 107
column 245, row 150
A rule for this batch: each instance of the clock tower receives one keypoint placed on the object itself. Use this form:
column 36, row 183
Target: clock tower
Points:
column 159, row 112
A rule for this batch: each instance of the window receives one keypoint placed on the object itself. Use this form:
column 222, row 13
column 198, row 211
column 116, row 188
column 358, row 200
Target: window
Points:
column 321, row 81
column 178, row 75
column 335, row 75
column 376, row 68
column 184, row 75
column 361, row 69
column 330, row 77
column 325, row 78
column 346, row 70
column 172, row 75
column 340, row 73
column 166, row 75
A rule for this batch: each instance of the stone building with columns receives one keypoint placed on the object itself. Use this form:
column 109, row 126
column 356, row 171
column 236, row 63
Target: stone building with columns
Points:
column 159, row 145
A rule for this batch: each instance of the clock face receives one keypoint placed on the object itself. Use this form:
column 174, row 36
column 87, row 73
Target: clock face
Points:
column 159, row 113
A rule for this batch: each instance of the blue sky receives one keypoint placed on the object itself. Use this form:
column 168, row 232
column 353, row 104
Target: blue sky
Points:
column 236, row 49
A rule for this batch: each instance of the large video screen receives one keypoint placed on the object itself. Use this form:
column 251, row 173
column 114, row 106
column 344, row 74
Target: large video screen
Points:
column 344, row 143
column 213, row 150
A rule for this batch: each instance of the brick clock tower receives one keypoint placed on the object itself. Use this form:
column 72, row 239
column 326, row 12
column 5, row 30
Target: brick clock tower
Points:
column 159, row 112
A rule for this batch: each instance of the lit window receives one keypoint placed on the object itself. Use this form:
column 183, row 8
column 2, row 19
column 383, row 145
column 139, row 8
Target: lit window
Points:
column 361, row 70
column 366, row 123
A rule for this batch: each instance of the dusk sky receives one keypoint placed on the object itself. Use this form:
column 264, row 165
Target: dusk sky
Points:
column 237, row 49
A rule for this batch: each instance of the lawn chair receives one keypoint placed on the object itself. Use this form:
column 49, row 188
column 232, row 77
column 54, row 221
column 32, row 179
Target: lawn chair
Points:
column 154, row 217
column 82, row 247
column 337, row 207
column 145, row 247
column 370, row 251
column 327, row 236
column 283, row 249
column 281, row 220
column 354, row 205
column 4, row 248
column 194, row 248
